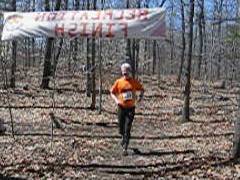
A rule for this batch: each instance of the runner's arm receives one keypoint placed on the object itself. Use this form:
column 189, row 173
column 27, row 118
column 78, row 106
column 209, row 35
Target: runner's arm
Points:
column 115, row 98
column 141, row 95
column 139, row 87
column 114, row 92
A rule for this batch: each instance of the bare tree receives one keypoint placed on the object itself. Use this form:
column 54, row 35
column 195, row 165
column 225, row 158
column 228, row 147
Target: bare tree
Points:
column 187, row 90
column 14, row 54
column 129, row 49
column 88, row 82
column 100, row 67
column 200, row 27
column 219, row 32
column 47, row 71
column 183, row 41
column 59, row 49
column 172, row 43
column 236, row 138
column 93, row 70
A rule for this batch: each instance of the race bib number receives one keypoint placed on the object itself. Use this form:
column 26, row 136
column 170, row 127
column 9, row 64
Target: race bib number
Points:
column 127, row 95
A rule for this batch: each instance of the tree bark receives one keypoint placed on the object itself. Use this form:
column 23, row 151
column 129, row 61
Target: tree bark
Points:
column 59, row 49
column 100, row 67
column 219, row 40
column 14, row 54
column 75, row 49
column 88, row 69
column 93, row 71
column 172, row 38
column 130, row 48
column 154, row 57
column 236, row 138
column 32, row 39
column 187, row 90
column 47, row 71
column 133, row 57
column 200, row 26
column 183, row 42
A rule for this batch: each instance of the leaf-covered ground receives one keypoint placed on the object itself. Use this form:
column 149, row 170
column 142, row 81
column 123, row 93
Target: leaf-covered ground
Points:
column 86, row 144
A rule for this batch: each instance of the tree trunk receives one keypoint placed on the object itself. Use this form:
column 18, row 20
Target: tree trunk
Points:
column 14, row 55
column 75, row 49
column 183, row 42
column 162, row 3
column 159, row 64
column 130, row 49
column 59, row 49
column 93, row 71
column 100, row 67
column 47, row 64
column 133, row 58
column 145, row 58
column 137, row 47
column 154, row 57
column 47, row 71
column 137, row 58
column 200, row 26
column 236, row 138
column 32, row 39
column 172, row 39
column 187, row 90
column 88, row 82
column 28, row 53
column 219, row 40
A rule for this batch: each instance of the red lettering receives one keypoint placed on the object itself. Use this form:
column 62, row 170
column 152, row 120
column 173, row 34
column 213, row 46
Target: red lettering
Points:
column 72, row 30
column 97, row 17
column 110, row 30
column 40, row 17
column 61, row 16
column 125, row 29
column 109, row 14
column 131, row 14
column 120, row 17
column 84, row 30
column 59, row 30
column 97, row 31
column 84, row 15
column 51, row 16
column 74, row 14
column 143, row 14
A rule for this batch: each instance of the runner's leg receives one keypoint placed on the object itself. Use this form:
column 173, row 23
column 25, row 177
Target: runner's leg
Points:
column 128, row 125
column 121, row 120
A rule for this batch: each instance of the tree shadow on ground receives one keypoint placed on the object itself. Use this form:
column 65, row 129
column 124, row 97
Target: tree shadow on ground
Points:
column 139, row 113
column 148, row 169
column 210, row 122
column 45, row 107
column 5, row 177
column 137, row 151
column 113, row 136
column 163, row 169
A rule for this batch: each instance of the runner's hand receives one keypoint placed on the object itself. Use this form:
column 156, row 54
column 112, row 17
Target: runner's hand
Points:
column 139, row 99
column 117, row 102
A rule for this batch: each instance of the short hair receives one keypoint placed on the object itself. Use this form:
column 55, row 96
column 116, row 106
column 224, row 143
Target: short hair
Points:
column 125, row 66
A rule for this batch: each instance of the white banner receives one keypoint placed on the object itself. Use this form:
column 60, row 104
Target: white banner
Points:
column 129, row 23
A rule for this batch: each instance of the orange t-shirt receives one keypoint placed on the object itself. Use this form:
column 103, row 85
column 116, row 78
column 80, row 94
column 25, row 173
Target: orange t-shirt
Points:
column 125, row 90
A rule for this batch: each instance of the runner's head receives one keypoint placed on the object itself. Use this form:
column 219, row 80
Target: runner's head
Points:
column 125, row 69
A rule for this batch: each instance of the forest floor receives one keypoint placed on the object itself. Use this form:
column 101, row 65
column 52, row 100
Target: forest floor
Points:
column 86, row 145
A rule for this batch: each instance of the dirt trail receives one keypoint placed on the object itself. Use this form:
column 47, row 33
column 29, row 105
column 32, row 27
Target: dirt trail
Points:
column 86, row 145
